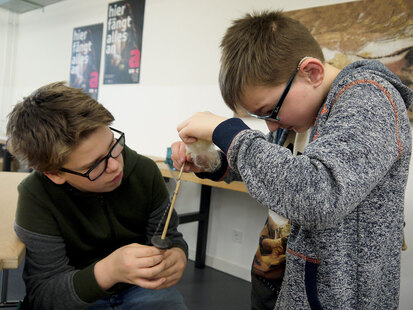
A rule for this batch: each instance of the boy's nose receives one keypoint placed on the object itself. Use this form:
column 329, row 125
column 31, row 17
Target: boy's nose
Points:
column 112, row 164
column 272, row 126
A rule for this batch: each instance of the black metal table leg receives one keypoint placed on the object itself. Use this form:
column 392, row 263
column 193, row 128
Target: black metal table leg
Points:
column 203, row 226
column 202, row 217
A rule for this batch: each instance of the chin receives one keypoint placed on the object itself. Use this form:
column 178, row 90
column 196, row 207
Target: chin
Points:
column 301, row 129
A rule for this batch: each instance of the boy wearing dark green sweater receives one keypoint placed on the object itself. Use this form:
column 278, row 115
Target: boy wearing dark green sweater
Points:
column 87, row 212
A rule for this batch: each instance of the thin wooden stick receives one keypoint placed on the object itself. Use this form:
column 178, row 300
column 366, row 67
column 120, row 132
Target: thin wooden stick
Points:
column 178, row 184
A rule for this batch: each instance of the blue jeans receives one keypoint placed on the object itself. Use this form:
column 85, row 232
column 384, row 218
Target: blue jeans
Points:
column 138, row 298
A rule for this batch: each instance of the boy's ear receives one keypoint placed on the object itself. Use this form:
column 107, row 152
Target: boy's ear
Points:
column 55, row 177
column 313, row 70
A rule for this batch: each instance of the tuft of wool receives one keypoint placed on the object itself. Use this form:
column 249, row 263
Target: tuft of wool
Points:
column 204, row 155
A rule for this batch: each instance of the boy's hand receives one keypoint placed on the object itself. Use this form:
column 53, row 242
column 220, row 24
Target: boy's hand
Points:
column 135, row 264
column 175, row 263
column 179, row 157
column 200, row 126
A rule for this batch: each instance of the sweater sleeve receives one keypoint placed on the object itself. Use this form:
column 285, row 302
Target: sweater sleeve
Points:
column 51, row 282
column 354, row 149
column 223, row 138
column 223, row 173
column 48, row 275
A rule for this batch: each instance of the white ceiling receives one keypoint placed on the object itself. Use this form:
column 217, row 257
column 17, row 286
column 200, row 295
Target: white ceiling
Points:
column 23, row 6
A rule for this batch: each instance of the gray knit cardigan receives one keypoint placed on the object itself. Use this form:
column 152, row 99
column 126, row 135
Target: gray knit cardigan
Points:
column 344, row 196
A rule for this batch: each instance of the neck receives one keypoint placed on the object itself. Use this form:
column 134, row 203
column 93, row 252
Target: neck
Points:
column 330, row 74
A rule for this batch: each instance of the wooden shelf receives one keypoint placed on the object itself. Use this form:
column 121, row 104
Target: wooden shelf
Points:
column 12, row 250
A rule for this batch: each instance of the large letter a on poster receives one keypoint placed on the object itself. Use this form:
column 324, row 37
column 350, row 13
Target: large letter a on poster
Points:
column 135, row 59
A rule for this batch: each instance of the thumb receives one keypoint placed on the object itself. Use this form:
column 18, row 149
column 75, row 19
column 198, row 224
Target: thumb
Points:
column 186, row 138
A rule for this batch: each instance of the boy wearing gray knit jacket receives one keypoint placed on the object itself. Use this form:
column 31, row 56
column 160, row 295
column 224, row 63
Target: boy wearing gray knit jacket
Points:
column 344, row 195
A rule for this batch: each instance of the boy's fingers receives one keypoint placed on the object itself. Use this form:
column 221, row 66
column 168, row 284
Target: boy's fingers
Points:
column 189, row 140
column 185, row 137
column 147, row 262
column 140, row 250
column 182, row 125
column 152, row 272
column 150, row 284
column 182, row 153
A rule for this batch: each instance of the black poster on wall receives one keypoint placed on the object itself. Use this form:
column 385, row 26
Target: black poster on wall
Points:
column 124, row 42
column 85, row 62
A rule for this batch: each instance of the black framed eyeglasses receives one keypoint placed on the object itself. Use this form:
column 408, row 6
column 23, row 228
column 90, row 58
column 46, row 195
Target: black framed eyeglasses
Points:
column 274, row 114
column 100, row 167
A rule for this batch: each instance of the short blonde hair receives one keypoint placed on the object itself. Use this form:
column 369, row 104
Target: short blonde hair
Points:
column 262, row 49
column 46, row 126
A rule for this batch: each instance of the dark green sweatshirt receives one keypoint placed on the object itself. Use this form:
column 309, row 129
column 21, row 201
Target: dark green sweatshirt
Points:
column 67, row 231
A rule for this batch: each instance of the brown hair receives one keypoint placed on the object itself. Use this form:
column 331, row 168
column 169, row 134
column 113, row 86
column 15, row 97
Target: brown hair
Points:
column 46, row 126
column 262, row 50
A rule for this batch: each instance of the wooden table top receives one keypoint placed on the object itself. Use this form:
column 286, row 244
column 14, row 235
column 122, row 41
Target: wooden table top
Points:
column 191, row 177
column 12, row 250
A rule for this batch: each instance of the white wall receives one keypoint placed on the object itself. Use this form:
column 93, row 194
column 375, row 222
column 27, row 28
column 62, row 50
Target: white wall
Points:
column 8, row 35
column 180, row 63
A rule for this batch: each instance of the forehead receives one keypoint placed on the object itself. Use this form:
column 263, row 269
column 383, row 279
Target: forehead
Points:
column 92, row 147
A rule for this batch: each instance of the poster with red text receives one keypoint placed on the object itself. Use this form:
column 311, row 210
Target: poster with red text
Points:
column 124, row 42
column 85, row 61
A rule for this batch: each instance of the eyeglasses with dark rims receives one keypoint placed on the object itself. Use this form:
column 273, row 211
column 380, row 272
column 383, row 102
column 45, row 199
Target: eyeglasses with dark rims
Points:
column 99, row 167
